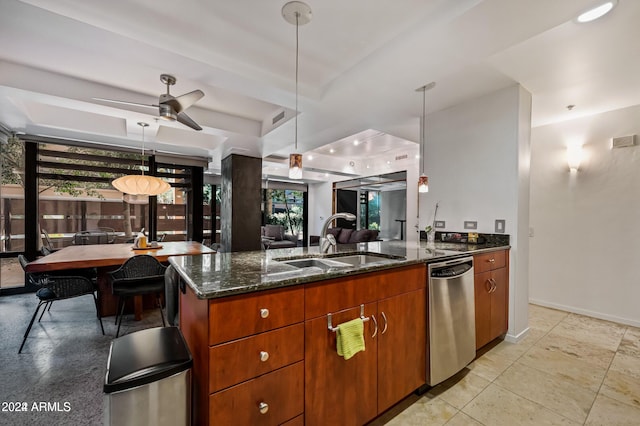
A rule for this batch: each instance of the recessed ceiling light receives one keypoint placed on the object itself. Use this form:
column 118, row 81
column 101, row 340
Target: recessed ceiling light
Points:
column 597, row 11
column 388, row 162
column 331, row 151
column 356, row 142
column 309, row 157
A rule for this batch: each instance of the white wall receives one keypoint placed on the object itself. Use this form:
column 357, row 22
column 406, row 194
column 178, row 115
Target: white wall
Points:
column 586, row 225
column 477, row 160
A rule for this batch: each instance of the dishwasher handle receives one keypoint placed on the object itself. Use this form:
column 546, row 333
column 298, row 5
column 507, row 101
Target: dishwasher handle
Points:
column 451, row 269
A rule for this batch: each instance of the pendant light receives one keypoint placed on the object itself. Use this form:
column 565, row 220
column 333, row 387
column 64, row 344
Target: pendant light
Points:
column 423, row 181
column 138, row 188
column 297, row 13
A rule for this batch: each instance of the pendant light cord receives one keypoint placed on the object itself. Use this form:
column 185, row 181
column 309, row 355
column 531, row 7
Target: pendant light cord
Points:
column 296, row 112
column 142, row 154
column 424, row 124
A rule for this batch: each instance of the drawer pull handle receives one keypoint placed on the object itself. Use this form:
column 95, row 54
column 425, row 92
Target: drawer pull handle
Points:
column 491, row 260
column 263, row 407
column 264, row 356
column 264, row 313
column 488, row 285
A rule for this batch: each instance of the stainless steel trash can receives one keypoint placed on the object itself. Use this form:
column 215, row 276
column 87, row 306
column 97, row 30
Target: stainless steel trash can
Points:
column 148, row 380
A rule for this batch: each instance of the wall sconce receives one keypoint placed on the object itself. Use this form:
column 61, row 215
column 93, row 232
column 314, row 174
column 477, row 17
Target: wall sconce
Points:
column 574, row 157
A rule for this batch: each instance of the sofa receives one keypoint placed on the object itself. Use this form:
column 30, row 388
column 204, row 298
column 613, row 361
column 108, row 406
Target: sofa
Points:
column 274, row 237
column 348, row 236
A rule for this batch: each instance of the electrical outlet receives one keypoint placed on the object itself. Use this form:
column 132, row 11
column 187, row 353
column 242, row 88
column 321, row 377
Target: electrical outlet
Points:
column 500, row 225
column 470, row 224
column 439, row 224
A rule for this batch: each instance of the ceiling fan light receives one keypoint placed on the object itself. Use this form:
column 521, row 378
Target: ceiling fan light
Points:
column 295, row 166
column 167, row 113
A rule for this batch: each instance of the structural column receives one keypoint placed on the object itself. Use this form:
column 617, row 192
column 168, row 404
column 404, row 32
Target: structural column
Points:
column 240, row 213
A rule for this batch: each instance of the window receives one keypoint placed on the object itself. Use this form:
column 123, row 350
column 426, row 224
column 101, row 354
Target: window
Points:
column 75, row 194
column 12, row 195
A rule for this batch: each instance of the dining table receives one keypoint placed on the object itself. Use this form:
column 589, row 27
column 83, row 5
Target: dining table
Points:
column 108, row 257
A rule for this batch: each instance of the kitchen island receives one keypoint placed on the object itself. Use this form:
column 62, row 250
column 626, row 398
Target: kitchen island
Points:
column 262, row 330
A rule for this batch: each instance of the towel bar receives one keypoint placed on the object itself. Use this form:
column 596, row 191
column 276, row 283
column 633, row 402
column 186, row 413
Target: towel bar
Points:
column 334, row 329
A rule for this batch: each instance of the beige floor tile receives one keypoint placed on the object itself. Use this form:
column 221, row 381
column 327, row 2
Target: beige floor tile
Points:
column 489, row 366
column 626, row 364
column 514, row 351
column 461, row 419
column 425, row 411
column 577, row 349
column 560, row 396
column 564, row 367
column 622, row 387
column 592, row 331
column 544, row 319
column 460, row 389
column 630, row 344
column 608, row 412
column 496, row 406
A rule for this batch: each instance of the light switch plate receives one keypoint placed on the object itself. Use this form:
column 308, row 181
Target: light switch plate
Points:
column 500, row 224
column 470, row 224
column 439, row 224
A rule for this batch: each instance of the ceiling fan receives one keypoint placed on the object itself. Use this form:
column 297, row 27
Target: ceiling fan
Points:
column 170, row 107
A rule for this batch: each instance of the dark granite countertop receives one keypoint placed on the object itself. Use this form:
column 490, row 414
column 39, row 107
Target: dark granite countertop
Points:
column 225, row 274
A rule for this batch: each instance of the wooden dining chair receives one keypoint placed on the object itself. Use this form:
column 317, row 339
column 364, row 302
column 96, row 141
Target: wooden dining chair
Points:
column 138, row 275
column 53, row 288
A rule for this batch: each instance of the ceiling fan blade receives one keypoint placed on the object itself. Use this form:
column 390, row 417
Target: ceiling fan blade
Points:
column 187, row 121
column 113, row 101
column 182, row 102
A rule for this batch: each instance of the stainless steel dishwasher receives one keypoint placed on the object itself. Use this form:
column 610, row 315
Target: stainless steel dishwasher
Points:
column 452, row 329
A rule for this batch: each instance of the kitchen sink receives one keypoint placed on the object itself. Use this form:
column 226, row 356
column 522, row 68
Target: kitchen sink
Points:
column 313, row 262
column 363, row 259
column 340, row 260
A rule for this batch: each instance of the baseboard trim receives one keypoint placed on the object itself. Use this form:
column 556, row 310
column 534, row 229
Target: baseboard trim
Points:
column 515, row 338
column 586, row 312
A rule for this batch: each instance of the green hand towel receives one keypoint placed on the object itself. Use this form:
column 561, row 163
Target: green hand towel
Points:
column 350, row 338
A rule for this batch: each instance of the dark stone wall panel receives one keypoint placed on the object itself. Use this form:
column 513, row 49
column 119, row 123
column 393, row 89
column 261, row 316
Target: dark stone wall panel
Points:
column 240, row 213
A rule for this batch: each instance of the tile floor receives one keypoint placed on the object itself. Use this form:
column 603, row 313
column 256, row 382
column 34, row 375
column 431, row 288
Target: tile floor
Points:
column 569, row 370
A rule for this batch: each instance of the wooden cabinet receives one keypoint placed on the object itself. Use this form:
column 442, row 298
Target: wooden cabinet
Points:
column 248, row 356
column 339, row 392
column 269, row 358
column 354, row 391
column 491, row 282
column 402, row 346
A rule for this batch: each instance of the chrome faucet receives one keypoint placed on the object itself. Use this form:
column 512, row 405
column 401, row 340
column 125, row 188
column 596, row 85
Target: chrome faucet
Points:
column 328, row 241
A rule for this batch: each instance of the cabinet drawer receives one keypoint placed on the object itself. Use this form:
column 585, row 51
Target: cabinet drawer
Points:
column 400, row 281
column 489, row 261
column 234, row 362
column 234, row 317
column 282, row 390
column 343, row 293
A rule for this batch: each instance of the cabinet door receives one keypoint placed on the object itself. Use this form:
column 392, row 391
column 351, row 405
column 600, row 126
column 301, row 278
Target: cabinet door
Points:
column 402, row 346
column 482, row 285
column 499, row 303
column 339, row 391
